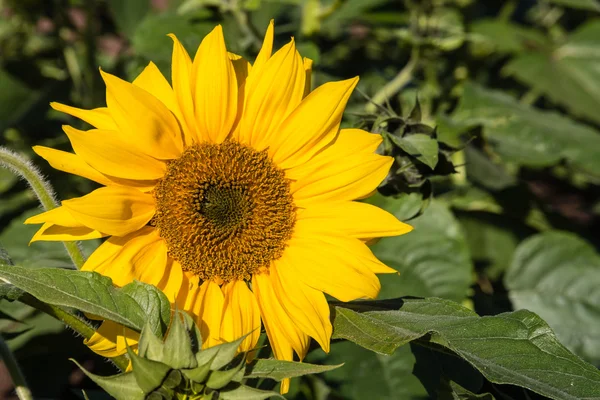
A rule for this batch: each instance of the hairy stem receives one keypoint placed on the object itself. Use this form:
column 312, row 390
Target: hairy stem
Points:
column 72, row 321
column 23, row 391
column 42, row 190
column 396, row 84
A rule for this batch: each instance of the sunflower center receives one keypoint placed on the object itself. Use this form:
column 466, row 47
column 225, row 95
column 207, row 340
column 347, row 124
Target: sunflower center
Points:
column 224, row 210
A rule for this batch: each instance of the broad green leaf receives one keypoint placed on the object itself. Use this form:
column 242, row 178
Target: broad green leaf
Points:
column 128, row 14
column 279, row 369
column 485, row 172
column 153, row 302
column 555, row 275
column 515, row 348
column 121, row 387
column 90, row 292
column 494, row 35
column 16, row 99
column 368, row 375
column 433, row 259
column 453, row 391
column 423, row 147
column 568, row 75
column 525, row 135
column 591, row 5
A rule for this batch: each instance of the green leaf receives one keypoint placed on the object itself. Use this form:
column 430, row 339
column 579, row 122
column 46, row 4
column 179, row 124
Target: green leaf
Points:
column 279, row 369
column 219, row 379
column 89, row 292
column 404, row 206
column 481, row 170
column 555, row 275
column 221, row 355
column 177, row 349
column 121, row 387
column 494, row 35
column 433, row 259
column 525, row 135
column 15, row 100
column 568, row 75
column 421, row 146
column 243, row 392
column 153, row 302
column 453, row 391
column 591, row 5
column 515, row 348
column 128, row 14
column 148, row 374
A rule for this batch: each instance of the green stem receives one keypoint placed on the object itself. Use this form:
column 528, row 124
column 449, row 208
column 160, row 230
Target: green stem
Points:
column 23, row 391
column 42, row 190
column 72, row 321
column 396, row 84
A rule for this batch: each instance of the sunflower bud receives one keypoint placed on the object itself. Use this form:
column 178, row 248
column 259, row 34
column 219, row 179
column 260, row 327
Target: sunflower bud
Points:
column 178, row 368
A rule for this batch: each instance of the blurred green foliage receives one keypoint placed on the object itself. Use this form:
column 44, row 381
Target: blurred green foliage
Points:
column 503, row 193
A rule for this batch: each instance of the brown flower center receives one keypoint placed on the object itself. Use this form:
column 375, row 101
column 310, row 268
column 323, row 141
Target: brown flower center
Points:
column 224, row 210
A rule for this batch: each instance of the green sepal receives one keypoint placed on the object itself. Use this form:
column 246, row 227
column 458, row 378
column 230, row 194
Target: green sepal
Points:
column 177, row 349
column 243, row 392
column 149, row 374
column 221, row 354
column 219, row 379
column 122, row 386
column 196, row 387
column 199, row 373
column 173, row 379
column 150, row 346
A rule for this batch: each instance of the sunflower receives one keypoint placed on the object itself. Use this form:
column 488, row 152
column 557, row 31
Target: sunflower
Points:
column 232, row 190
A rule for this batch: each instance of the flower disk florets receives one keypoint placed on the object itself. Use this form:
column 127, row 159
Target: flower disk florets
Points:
column 224, row 210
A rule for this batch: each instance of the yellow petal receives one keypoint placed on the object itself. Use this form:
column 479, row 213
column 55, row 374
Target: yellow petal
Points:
column 98, row 117
column 313, row 125
column 216, row 91
column 358, row 220
column 306, row 306
column 282, row 332
column 331, row 269
column 106, row 152
column 58, row 216
column 245, row 315
column 153, row 82
column 54, row 233
column 175, row 285
column 143, row 120
column 267, row 47
column 74, row 164
column 273, row 90
column 113, row 210
column 181, row 78
column 308, row 64
column 209, row 310
column 114, row 257
column 104, row 340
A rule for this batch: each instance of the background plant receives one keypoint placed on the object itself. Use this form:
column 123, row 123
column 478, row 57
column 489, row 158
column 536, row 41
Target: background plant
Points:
column 497, row 167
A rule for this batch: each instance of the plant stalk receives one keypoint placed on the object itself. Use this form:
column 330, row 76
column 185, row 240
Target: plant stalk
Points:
column 42, row 190
column 23, row 391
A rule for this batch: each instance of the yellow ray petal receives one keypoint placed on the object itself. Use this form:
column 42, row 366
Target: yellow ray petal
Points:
column 215, row 88
column 149, row 262
column 74, row 164
column 308, row 64
column 282, row 332
column 143, row 120
column 104, row 340
column 359, row 220
column 52, row 232
column 106, row 152
column 114, row 257
column 351, row 178
column 181, row 78
column 267, row 47
column 209, row 310
column 245, row 315
column 98, row 117
column 307, row 307
column 273, row 90
column 175, row 285
column 348, row 142
column 330, row 269
column 58, row 216
column 113, row 210
column 313, row 125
